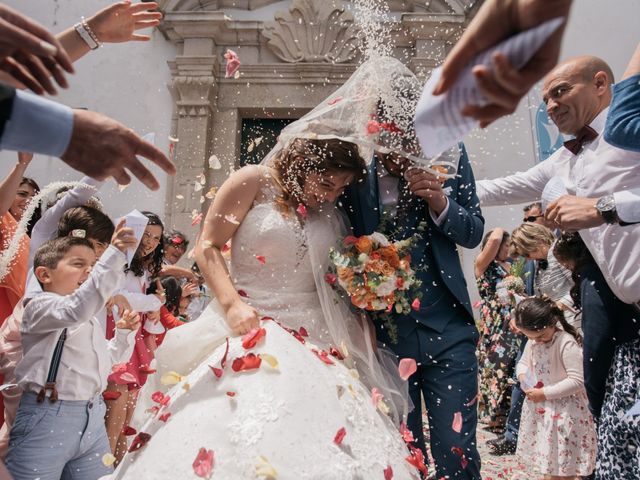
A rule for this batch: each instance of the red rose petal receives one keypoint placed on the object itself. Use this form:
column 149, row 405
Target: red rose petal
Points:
column 146, row 369
column 231, row 394
column 140, row 441
column 233, row 63
column 266, row 319
column 388, row 473
column 373, row 127
column 407, row 367
column 302, row 211
column 330, row 278
column 323, row 355
column 119, row 368
column 111, row 395
column 303, row 332
column 127, row 431
column 540, row 410
column 336, row 353
column 223, row 363
column 250, row 339
column 157, row 397
column 250, row 361
column 340, row 436
column 203, row 464
column 416, row 458
column 261, row 259
column 164, row 417
column 242, row 293
column 407, row 435
column 216, row 371
column 416, row 304
column 349, row 240
column 456, row 425
column 539, row 385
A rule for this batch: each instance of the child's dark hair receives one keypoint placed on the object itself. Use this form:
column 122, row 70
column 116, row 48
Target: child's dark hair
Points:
column 37, row 213
column 176, row 238
column 96, row 224
column 152, row 262
column 173, row 293
column 538, row 313
column 50, row 253
column 571, row 248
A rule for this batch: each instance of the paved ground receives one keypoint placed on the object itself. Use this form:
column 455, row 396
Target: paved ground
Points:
column 504, row 467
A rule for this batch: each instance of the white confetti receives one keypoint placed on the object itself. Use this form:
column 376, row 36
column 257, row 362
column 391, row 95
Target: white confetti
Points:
column 214, row 162
column 173, row 139
column 231, row 218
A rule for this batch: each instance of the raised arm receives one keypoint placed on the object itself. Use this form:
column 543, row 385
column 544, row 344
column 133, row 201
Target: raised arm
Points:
column 228, row 210
column 10, row 184
column 489, row 252
column 116, row 23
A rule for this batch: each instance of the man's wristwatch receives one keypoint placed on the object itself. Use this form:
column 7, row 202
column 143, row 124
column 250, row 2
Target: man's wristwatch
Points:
column 606, row 207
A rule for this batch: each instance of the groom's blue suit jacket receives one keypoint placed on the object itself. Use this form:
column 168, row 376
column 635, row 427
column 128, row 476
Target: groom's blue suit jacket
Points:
column 437, row 250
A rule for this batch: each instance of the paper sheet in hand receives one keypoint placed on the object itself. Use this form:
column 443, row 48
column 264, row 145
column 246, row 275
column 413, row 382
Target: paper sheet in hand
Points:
column 138, row 222
column 439, row 122
column 529, row 381
column 553, row 190
column 633, row 411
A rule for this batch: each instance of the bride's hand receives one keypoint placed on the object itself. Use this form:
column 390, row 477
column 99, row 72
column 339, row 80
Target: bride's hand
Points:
column 241, row 317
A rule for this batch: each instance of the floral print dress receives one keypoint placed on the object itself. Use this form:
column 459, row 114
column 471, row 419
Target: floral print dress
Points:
column 498, row 347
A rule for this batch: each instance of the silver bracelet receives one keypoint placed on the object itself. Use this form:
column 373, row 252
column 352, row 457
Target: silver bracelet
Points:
column 85, row 32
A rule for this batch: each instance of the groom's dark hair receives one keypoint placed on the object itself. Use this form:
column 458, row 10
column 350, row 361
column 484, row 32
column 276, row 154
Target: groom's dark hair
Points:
column 304, row 156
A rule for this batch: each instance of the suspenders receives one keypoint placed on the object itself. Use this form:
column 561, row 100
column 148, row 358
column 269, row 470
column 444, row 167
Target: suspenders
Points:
column 53, row 371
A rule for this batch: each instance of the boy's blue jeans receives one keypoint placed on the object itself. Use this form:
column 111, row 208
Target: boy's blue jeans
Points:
column 62, row 440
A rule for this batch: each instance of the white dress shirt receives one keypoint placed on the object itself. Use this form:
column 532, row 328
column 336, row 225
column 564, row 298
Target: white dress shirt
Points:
column 599, row 169
column 388, row 194
column 46, row 228
column 87, row 357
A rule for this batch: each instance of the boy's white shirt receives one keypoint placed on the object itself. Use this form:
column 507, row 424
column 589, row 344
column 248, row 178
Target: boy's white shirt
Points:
column 87, row 356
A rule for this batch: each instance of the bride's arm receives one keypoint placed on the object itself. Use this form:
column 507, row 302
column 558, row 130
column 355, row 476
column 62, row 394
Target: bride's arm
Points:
column 226, row 213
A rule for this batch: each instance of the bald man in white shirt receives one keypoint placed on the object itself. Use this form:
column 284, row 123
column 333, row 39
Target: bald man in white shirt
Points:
column 604, row 180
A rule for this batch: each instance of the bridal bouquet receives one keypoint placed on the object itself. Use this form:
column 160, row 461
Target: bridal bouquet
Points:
column 512, row 285
column 376, row 274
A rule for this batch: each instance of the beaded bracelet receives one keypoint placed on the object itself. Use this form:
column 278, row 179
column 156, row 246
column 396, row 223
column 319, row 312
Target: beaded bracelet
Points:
column 88, row 35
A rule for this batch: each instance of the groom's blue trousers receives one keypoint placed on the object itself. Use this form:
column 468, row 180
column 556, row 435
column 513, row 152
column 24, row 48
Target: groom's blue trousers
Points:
column 447, row 377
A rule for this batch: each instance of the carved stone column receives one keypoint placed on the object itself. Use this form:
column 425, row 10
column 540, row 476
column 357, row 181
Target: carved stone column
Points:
column 193, row 88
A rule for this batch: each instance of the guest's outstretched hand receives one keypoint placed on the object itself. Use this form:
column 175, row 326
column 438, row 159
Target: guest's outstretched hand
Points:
column 30, row 54
column 427, row 186
column 571, row 213
column 129, row 320
column 503, row 85
column 101, row 147
column 118, row 23
column 123, row 238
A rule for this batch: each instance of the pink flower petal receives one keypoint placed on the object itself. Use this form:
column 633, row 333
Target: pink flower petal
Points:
column 376, row 396
column 456, row 426
column 407, row 367
column 330, row 278
column 203, row 464
column 233, row 63
column 407, row 435
column 416, row 304
column 302, row 211
column 388, row 473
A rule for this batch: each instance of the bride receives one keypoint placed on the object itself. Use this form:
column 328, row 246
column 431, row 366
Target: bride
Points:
column 277, row 378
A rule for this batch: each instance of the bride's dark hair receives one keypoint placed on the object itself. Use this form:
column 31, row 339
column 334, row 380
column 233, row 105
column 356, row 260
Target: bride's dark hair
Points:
column 304, row 156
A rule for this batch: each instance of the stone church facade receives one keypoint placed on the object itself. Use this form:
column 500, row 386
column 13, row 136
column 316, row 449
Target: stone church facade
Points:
column 293, row 54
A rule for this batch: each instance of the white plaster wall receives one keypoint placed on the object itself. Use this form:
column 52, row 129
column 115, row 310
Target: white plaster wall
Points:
column 128, row 82
column 124, row 81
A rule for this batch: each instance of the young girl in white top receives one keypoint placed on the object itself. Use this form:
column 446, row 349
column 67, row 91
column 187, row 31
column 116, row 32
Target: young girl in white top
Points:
column 127, row 378
column 557, row 432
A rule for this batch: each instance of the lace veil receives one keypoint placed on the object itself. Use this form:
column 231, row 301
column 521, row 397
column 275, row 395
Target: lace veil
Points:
column 374, row 110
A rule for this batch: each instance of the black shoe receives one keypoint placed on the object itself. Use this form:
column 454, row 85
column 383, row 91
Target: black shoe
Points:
column 504, row 447
column 495, row 441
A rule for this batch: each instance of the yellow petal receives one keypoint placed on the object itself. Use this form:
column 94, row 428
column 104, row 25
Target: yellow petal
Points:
column 383, row 407
column 264, row 469
column 271, row 360
column 186, row 387
column 108, row 459
column 171, row 378
column 354, row 373
column 352, row 391
column 344, row 350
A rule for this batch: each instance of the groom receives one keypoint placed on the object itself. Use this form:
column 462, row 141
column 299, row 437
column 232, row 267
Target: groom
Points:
column 441, row 335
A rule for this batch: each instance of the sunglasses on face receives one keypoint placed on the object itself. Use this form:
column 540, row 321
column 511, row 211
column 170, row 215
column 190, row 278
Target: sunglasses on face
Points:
column 532, row 218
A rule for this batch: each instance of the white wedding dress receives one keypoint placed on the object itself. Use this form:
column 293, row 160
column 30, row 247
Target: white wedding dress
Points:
column 286, row 418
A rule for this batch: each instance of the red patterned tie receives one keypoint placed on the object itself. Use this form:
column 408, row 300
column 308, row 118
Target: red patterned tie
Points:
column 584, row 135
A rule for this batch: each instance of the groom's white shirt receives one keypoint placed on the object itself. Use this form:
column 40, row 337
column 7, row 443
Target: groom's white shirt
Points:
column 598, row 169
column 388, row 192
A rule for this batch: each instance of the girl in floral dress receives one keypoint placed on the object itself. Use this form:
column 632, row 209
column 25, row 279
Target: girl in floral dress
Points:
column 498, row 346
column 557, row 432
